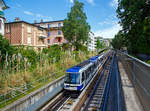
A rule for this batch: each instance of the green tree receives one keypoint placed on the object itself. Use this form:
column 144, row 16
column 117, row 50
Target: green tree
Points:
column 5, row 50
column 119, row 41
column 135, row 21
column 54, row 53
column 99, row 45
column 75, row 28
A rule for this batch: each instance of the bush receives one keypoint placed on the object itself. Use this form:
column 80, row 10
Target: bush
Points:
column 66, row 46
column 5, row 50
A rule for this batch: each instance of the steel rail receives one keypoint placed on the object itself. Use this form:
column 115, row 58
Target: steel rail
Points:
column 62, row 103
column 108, row 85
column 98, row 96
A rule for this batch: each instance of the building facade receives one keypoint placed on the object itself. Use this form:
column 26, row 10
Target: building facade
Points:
column 93, row 41
column 26, row 34
column 2, row 17
column 54, row 31
column 92, row 44
column 106, row 42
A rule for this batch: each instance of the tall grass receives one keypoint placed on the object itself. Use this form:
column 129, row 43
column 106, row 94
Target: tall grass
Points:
column 44, row 66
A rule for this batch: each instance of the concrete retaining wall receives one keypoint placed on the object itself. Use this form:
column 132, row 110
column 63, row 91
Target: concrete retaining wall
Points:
column 34, row 97
column 139, row 74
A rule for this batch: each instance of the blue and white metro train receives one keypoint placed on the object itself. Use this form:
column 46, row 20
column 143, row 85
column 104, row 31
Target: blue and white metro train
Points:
column 77, row 77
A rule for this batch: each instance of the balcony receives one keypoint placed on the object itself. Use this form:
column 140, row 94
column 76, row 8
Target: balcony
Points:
column 58, row 36
column 57, row 43
column 42, row 36
column 58, row 40
column 55, row 26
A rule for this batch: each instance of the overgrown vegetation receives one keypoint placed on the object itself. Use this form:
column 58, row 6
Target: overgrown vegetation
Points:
column 135, row 21
column 100, row 45
column 24, row 69
column 119, row 41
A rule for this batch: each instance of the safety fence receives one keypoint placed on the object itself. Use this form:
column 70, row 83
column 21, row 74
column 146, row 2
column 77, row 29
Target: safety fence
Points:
column 17, row 92
column 139, row 73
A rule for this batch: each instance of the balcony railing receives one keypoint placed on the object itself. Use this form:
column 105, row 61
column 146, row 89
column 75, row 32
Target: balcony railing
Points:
column 57, row 43
column 58, row 36
column 42, row 36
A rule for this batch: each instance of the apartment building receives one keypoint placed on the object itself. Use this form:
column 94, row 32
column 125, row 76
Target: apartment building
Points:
column 107, row 42
column 26, row 34
column 93, row 41
column 54, row 31
column 2, row 16
column 91, row 45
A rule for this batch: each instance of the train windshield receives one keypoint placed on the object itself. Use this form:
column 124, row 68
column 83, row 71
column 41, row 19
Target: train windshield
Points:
column 72, row 78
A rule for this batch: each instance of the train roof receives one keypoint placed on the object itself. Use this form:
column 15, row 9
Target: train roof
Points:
column 78, row 67
column 93, row 59
column 100, row 56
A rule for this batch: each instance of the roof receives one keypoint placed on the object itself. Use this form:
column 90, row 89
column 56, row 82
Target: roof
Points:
column 74, row 69
column 25, row 23
column 4, row 5
column 93, row 59
column 83, row 64
column 78, row 67
column 49, row 22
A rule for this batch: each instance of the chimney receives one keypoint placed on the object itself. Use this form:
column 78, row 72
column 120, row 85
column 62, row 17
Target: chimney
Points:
column 35, row 21
column 41, row 20
column 17, row 19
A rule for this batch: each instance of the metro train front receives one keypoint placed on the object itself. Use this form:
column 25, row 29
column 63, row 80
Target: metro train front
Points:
column 79, row 76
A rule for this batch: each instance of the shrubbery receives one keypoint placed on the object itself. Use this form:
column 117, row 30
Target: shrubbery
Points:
column 23, row 65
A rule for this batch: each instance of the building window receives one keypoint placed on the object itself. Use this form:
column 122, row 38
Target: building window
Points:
column 8, row 29
column 59, row 39
column 48, row 41
column 59, row 24
column 29, row 29
column 59, row 32
column 29, row 40
column 48, row 33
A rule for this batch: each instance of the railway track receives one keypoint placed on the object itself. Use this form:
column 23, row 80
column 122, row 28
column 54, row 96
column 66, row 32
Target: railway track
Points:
column 62, row 102
column 65, row 102
column 96, row 100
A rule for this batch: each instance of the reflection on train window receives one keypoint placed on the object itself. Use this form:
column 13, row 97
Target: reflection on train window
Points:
column 83, row 77
column 72, row 78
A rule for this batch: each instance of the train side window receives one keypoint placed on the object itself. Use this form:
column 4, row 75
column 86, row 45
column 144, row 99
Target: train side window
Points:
column 89, row 71
column 83, row 76
column 87, row 74
column 94, row 65
column 91, row 68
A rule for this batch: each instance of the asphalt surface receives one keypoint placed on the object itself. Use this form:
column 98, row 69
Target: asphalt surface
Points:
column 131, row 99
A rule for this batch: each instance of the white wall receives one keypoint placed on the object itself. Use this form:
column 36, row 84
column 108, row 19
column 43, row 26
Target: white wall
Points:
column 91, row 45
column 2, row 26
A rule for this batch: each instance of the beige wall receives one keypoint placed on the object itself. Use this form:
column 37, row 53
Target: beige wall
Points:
column 19, row 35
column 53, row 29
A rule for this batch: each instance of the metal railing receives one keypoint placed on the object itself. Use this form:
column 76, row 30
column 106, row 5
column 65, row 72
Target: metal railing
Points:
column 139, row 73
column 23, row 90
